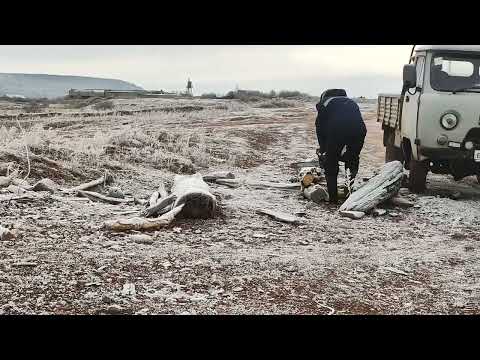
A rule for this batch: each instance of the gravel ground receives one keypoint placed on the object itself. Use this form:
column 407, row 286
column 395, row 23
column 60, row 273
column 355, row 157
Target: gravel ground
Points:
column 421, row 260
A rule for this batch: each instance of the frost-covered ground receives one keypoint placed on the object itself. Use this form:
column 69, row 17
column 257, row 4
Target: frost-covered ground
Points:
column 422, row 261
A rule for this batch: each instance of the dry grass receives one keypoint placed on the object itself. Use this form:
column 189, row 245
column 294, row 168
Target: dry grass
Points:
column 276, row 103
column 176, row 150
column 104, row 105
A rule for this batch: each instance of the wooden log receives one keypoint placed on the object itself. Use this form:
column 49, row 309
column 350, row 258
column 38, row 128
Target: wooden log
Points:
column 218, row 175
column 262, row 185
column 142, row 224
column 44, row 185
column 280, row 216
column 355, row 215
column 20, row 182
column 162, row 192
column 102, row 198
column 156, row 208
column 316, row 193
column 313, row 162
column 16, row 189
column 401, row 202
column 271, row 185
column 45, row 160
column 153, row 199
column 138, row 201
column 232, row 183
column 377, row 190
column 195, row 194
column 103, row 180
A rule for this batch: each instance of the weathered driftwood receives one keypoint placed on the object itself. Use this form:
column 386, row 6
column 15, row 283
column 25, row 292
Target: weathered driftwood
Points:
column 103, row 180
column 153, row 199
column 20, row 182
column 233, row 183
column 143, row 224
column 160, row 205
column 7, row 180
column 16, row 189
column 272, row 185
column 44, row 160
column 355, row 215
column 378, row 212
column 377, row 190
column 218, row 175
column 162, row 191
column 44, row 185
column 401, row 202
column 306, row 163
column 280, row 216
column 6, row 168
column 316, row 193
column 195, row 194
column 138, row 201
column 5, row 234
column 158, row 195
column 25, row 197
column 102, row 198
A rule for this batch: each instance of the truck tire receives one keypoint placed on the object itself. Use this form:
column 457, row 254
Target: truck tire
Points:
column 393, row 153
column 418, row 175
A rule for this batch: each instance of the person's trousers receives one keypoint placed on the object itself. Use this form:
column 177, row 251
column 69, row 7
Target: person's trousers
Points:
column 351, row 158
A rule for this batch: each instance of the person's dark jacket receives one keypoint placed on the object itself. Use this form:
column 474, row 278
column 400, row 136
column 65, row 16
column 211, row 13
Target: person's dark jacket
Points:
column 338, row 118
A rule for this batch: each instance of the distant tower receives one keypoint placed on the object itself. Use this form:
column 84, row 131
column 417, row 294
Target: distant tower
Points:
column 189, row 87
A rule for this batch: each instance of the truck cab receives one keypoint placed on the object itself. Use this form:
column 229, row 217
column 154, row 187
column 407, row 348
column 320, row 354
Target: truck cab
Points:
column 434, row 124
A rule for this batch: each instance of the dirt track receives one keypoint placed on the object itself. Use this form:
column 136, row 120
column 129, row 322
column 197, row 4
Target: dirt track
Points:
column 422, row 261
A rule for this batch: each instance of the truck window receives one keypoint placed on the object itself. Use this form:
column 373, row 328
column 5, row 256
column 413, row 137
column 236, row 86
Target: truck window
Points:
column 450, row 72
column 420, row 70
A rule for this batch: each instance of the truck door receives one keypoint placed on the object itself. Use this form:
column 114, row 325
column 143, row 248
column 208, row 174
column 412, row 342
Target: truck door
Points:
column 410, row 106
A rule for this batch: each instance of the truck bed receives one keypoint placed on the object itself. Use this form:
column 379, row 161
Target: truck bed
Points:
column 388, row 110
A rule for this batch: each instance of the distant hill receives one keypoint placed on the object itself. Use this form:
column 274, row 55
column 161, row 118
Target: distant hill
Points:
column 52, row 86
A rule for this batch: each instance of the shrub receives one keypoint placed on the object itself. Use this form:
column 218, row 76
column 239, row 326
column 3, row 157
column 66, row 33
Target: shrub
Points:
column 34, row 107
column 104, row 105
column 276, row 104
column 289, row 94
column 208, row 96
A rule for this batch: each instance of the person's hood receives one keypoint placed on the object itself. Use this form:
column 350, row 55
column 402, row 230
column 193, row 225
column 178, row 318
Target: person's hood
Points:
column 330, row 93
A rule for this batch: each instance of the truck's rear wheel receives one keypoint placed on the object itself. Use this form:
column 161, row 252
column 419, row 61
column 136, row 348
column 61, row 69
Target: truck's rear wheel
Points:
column 393, row 153
column 418, row 175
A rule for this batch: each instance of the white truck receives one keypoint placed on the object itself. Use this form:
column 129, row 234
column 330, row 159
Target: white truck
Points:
column 434, row 125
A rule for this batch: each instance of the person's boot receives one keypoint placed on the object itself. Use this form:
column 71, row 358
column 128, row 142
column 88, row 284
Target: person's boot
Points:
column 332, row 189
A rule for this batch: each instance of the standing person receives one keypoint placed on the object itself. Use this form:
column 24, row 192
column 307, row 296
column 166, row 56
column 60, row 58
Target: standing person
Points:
column 339, row 124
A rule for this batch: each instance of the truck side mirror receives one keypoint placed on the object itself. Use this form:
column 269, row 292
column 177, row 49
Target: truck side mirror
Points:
column 409, row 76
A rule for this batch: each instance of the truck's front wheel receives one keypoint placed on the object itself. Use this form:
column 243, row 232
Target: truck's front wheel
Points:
column 418, row 175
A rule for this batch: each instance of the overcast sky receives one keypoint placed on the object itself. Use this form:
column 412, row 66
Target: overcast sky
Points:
column 362, row 70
